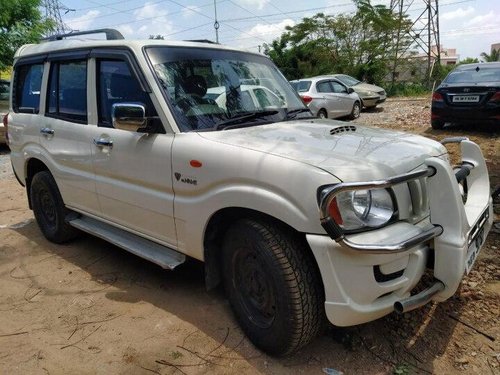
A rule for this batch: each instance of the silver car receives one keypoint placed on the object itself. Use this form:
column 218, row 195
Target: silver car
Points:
column 370, row 95
column 327, row 97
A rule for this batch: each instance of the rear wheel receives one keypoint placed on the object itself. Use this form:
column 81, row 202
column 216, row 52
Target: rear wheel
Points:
column 356, row 110
column 49, row 210
column 322, row 114
column 437, row 124
column 273, row 286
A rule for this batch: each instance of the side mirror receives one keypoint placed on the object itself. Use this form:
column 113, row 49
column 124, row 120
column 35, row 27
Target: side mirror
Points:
column 350, row 90
column 128, row 116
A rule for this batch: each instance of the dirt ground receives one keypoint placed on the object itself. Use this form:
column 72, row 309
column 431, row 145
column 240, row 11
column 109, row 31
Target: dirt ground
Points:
column 89, row 307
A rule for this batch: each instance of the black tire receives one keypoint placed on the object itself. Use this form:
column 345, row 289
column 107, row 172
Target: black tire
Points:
column 49, row 210
column 356, row 111
column 322, row 114
column 273, row 285
column 437, row 124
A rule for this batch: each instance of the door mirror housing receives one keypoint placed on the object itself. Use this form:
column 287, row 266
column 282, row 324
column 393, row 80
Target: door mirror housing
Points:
column 350, row 90
column 128, row 116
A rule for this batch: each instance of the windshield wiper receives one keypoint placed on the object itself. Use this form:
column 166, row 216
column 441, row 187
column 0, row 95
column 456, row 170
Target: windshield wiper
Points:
column 294, row 112
column 245, row 117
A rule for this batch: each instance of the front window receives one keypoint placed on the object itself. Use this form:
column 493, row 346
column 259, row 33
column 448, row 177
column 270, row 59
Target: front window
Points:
column 212, row 89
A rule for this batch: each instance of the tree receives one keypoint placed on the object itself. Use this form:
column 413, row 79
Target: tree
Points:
column 157, row 37
column 493, row 56
column 20, row 23
column 362, row 44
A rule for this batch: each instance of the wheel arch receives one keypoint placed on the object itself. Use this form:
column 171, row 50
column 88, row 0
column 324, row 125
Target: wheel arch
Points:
column 33, row 166
column 215, row 230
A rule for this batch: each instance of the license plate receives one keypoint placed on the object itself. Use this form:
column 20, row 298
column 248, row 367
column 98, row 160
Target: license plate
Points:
column 476, row 241
column 466, row 99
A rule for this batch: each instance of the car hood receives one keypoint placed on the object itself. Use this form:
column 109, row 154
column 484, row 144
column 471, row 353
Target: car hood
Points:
column 349, row 152
column 363, row 87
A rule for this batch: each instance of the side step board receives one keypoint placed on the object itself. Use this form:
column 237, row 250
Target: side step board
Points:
column 161, row 255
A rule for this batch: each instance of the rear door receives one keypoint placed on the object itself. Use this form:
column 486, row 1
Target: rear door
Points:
column 64, row 131
column 133, row 169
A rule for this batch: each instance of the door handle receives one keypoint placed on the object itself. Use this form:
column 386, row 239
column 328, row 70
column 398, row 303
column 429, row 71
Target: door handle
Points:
column 47, row 131
column 103, row 142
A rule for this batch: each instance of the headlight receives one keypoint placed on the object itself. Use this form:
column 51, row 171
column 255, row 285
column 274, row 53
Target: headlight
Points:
column 358, row 209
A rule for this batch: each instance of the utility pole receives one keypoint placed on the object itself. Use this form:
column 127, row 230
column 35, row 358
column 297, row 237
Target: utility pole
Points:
column 53, row 10
column 424, row 30
column 216, row 23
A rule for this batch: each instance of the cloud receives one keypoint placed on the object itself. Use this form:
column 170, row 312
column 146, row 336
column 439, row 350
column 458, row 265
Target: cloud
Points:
column 154, row 21
column 83, row 22
column 483, row 20
column 270, row 31
column 259, row 34
column 259, row 4
column 457, row 14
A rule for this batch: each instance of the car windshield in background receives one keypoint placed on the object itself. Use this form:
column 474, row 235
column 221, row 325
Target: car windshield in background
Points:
column 347, row 80
column 206, row 87
column 476, row 75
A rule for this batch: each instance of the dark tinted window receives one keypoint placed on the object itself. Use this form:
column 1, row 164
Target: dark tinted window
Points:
column 67, row 91
column 116, row 84
column 28, row 80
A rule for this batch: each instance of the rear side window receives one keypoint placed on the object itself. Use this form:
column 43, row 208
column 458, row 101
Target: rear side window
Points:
column 67, row 91
column 28, row 81
column 303, row 86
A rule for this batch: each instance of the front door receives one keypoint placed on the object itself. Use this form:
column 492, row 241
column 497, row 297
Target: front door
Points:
column 133, row 169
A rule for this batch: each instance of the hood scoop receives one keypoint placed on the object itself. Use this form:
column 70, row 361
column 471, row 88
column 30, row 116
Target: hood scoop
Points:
column 343, row 129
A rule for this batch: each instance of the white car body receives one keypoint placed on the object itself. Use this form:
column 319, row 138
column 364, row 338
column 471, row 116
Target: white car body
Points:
column 168, row 187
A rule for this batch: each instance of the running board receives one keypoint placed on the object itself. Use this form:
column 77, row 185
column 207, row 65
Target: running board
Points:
column 158, row 254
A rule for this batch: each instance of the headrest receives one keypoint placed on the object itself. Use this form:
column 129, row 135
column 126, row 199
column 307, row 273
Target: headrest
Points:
column 196, row 85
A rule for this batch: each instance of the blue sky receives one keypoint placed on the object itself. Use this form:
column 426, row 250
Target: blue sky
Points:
column 470, row 26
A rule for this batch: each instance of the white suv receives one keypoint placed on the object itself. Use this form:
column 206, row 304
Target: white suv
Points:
column 298, row 217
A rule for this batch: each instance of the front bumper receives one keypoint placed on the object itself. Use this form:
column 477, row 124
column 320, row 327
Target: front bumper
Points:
column 351, row 266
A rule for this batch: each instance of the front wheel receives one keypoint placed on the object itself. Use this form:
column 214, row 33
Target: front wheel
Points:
column 356, row 110
column 49, row 210
column 273, row 285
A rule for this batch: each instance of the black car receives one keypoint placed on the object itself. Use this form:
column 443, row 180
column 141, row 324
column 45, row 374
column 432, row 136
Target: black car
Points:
column 469, row 94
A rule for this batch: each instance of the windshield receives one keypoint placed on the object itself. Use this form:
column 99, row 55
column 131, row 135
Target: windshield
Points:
column 347, row 80
column 476, row 75
column 206, row 87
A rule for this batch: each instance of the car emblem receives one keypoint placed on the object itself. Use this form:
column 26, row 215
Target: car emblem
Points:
column 466, row 90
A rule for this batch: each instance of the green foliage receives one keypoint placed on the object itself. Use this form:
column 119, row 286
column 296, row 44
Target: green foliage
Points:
column 20, row 23
column 408, row 89
column 492, row 57
column 364, row 44
column 469, row 60
column 157, row 37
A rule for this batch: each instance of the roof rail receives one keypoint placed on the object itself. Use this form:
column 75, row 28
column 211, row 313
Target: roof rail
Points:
column 111, row 34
